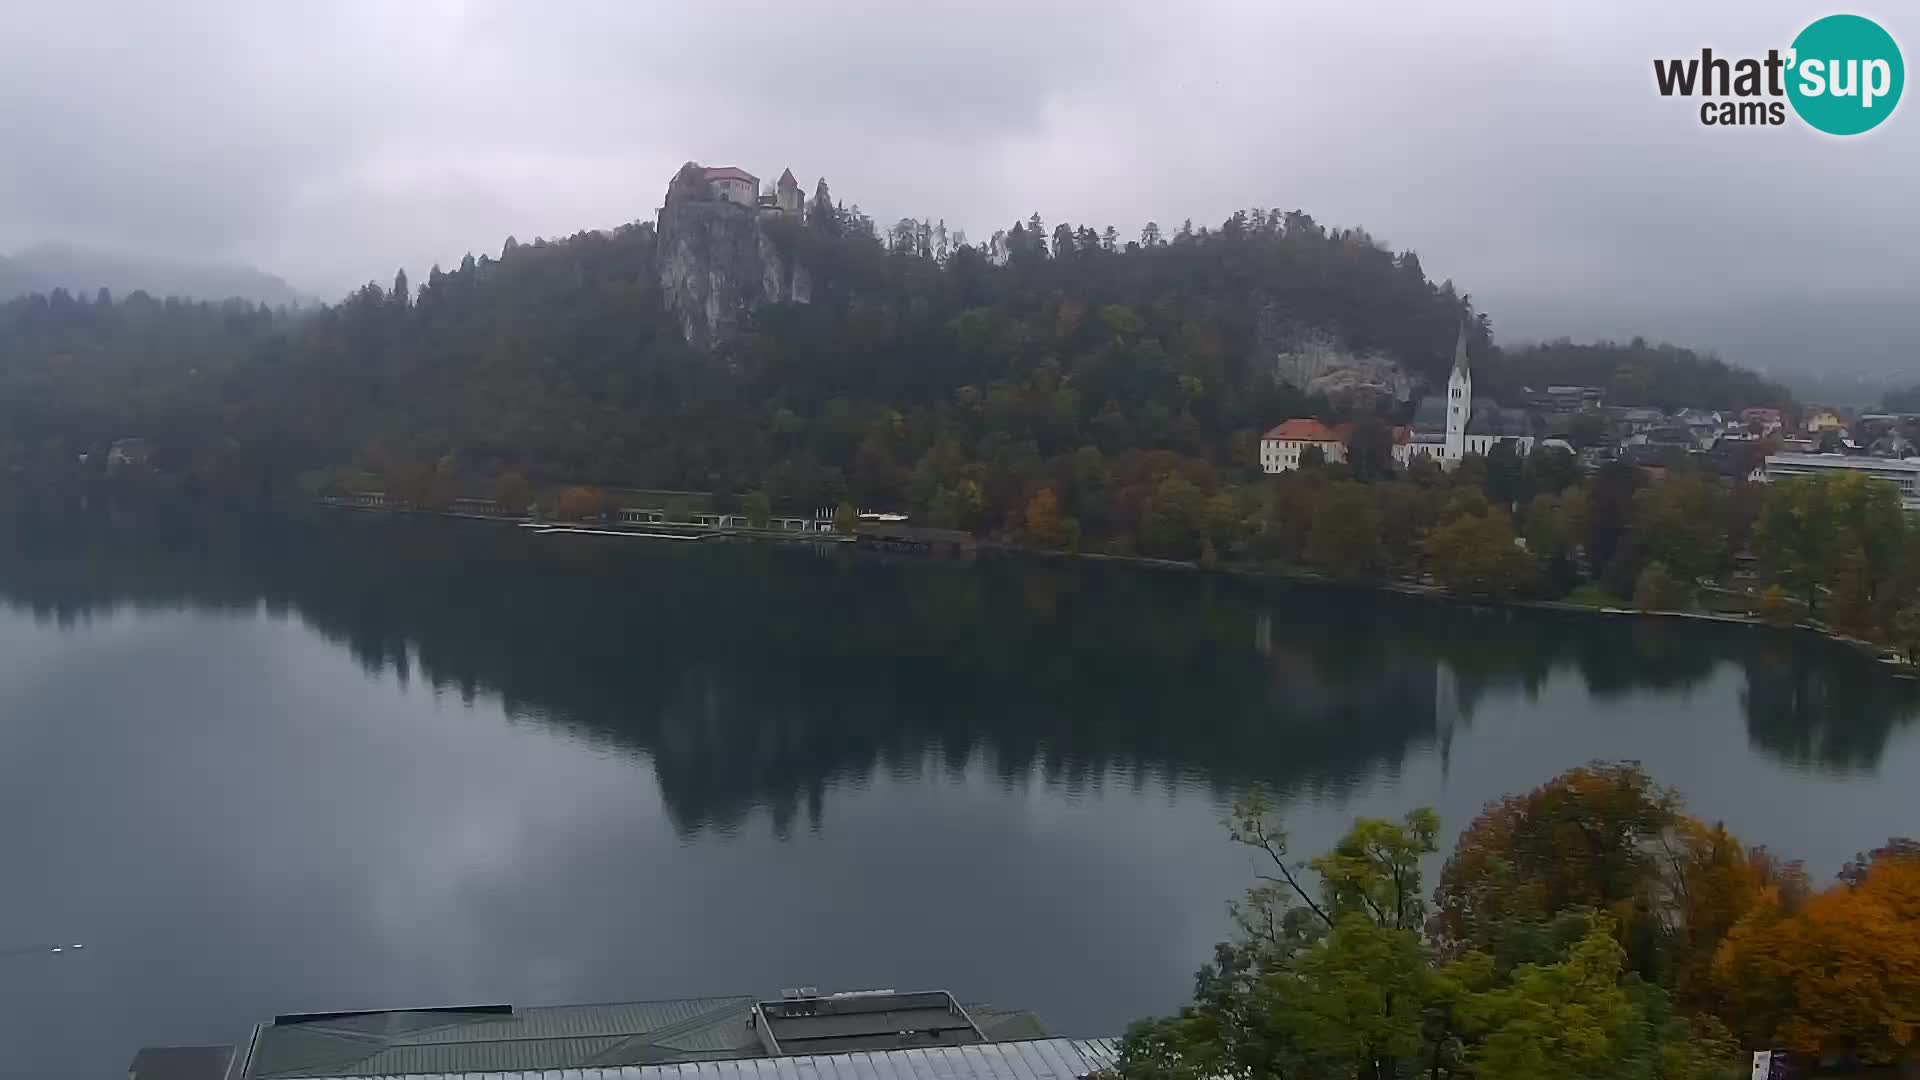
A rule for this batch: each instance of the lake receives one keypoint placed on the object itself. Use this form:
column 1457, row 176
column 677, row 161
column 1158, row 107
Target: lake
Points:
column 344, row 762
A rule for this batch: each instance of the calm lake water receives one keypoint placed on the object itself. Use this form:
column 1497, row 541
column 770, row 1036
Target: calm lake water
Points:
column 359, row 763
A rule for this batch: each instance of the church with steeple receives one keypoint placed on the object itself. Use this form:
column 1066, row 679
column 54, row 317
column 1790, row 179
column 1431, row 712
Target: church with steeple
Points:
column 1447, row 429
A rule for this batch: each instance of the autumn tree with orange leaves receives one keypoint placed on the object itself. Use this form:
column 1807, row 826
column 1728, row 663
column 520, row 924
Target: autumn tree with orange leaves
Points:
column 1605, row 838
column 1839, row 976
column 1589, row 839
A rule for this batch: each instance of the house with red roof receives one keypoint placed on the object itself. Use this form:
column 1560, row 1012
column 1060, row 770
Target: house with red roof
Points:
column 1281, row 448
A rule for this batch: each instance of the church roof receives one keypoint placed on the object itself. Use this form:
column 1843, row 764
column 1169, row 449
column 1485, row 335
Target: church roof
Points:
column 787, row 180
column 1460, row 352
column 1308, row 430
column 1430, row 415
column 1490, row 419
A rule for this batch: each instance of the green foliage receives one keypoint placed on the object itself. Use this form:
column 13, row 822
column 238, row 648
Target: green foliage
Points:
column 1636, row 373
column 1657, row 590
column 1374, row 871
column 1592, row 594
column 1906, row 632
column 1776, row 605
column 513, row 494
column 1345, row 538
column 1130, row 384
column 1476, row 555
column 758, row 507
column 1172, row 518
column 1333, row 978
column 1562, row 1020
column 1681, row 523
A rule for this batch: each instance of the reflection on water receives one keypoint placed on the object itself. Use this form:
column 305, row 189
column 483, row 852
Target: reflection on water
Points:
column 591, row 769
column 751, row 677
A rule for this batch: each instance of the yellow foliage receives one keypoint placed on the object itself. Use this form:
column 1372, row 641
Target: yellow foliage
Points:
column 1843, row 974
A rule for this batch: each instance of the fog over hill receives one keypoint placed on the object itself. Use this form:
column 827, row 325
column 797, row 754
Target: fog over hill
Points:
column 1840, row 347
column 81, row 270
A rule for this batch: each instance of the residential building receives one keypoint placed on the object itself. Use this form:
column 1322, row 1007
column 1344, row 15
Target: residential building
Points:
column 1637, row 419
column 1819, row 420
column 1281, row 448
column 1903, row 473
column 1564, row 400
column 1761, row 421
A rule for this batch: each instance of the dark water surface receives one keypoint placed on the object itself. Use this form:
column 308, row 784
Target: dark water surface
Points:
column 357, row 763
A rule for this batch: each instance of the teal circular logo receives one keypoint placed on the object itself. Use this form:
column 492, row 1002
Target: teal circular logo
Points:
column 1846, row 75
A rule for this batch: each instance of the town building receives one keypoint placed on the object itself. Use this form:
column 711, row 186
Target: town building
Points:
column 1281, row 448
column 1903, row 473
column 1565, row 400
column 1448, row 429
column 1636, row 419
column 1819, row 420
column 1760, row 420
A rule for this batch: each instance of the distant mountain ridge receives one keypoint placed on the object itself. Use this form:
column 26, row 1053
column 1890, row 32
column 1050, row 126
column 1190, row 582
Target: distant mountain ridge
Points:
column 1815, row 337
column 81, row 270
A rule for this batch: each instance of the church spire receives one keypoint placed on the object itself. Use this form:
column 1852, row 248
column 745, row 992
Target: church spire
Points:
column 1460, row 351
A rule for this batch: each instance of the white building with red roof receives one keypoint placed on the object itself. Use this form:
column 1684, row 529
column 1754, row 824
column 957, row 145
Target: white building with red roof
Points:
column 1281, row 448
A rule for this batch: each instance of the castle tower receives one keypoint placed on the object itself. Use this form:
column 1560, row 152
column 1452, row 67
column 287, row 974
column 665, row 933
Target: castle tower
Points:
column 1459, row 403
column 786, row 194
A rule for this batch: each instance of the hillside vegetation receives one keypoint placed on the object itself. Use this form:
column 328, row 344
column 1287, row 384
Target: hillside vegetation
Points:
column 921, row 376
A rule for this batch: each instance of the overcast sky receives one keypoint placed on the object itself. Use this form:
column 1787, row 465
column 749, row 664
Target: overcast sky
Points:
column 1520, row 148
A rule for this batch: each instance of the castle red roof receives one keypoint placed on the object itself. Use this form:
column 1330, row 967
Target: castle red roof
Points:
column 1308, row 430
column 787, row 180
column 729, row 172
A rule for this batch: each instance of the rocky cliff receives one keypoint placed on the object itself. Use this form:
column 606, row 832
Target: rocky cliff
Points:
column 718, row 260
column 1318, row 363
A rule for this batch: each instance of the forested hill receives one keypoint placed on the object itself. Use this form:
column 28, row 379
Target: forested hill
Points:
column 933, row 380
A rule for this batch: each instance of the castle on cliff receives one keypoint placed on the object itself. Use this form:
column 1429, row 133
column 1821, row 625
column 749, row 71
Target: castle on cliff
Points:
column 737, row 185
column 719, row 253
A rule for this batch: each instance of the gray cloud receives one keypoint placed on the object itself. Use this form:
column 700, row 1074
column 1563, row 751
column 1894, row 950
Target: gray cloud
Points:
column 1520, row 148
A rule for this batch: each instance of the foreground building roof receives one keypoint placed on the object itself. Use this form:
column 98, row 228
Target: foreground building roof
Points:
column 1035, row 1059
column 548, row 1041
column 499, row 1039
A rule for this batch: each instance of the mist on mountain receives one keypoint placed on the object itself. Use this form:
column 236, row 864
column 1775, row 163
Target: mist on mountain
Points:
column 1843, row 348
column 86, row 271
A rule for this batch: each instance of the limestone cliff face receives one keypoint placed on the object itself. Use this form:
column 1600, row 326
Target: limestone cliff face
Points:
column 718, row 261
column 1318, row 363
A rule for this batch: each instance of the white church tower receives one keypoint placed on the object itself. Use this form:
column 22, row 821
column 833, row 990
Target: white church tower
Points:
column 1459, row 404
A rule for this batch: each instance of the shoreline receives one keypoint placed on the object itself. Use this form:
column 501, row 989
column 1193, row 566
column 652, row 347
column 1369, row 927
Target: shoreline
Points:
column 1872, row 651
